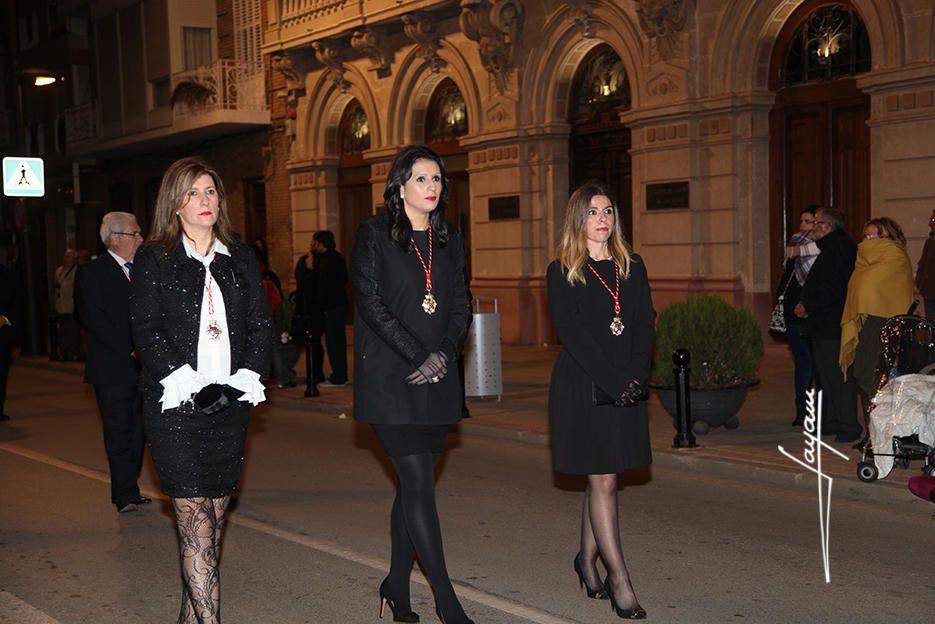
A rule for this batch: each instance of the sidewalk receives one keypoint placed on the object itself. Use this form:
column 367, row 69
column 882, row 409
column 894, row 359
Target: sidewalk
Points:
column 751, row 450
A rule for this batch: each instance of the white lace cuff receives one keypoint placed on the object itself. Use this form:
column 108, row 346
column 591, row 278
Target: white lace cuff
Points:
column 180, row 386
column 248, row 382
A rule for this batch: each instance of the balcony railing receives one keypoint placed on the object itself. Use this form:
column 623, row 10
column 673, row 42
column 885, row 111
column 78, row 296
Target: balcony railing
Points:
column 225, row 85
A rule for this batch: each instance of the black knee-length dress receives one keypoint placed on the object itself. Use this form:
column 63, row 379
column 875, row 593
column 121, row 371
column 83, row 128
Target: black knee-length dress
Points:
column 585, row 438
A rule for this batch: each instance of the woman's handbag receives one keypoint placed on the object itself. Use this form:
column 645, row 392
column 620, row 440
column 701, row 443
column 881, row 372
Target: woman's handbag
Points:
column 777, row 320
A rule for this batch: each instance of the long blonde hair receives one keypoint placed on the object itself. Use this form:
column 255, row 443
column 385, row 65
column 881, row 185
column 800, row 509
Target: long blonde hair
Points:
column 173, row 193
column 573, row 249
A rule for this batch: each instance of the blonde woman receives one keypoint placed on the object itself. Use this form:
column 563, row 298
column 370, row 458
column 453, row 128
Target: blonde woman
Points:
column 880, row 287
column 603, row 312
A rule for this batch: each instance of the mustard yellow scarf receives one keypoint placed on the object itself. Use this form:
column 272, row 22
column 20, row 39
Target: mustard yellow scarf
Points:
column 881, row 285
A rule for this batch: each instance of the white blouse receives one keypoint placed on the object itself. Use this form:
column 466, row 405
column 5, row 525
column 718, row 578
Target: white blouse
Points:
column 214, row 356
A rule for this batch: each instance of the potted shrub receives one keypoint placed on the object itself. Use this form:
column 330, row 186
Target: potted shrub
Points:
column 726, row 348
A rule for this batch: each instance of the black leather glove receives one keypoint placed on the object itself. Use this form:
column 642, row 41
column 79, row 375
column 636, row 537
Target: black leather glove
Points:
column 432, row 370
column 214, row 398
column 634, row 393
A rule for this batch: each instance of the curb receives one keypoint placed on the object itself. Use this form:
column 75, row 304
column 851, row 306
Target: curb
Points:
column 879, row 492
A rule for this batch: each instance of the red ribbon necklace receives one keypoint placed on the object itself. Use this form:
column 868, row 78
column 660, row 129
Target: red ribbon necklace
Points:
column 428, row 303
column 616, row 325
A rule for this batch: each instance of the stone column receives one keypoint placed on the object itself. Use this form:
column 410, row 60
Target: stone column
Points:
column 902, row 133
column 720, row 147
column 313, row 189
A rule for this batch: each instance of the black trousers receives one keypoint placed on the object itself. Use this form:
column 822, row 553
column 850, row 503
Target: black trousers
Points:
column 6, row 354
column 839, row 404
column 123, row 438
column 332, row 327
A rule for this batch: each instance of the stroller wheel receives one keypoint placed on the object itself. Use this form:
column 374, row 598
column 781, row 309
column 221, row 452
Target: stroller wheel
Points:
column 867, row 472
column 929, row 470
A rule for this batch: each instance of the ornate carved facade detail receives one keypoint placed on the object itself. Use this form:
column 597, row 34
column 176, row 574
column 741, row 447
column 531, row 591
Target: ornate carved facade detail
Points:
column 284, row 64
column 662, row 85
column 496, row 26
column 585, row 20
column 422, row 31
column 367, row 41
column 330, row 56
column 664, row 21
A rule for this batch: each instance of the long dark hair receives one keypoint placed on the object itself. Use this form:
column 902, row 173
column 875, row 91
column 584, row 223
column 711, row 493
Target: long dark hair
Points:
column 400, row 172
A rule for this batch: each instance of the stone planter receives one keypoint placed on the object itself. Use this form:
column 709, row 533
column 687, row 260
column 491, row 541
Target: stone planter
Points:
column 710, row 407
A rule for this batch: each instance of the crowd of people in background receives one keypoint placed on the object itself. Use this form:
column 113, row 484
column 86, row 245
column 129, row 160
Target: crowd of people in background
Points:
column 837, row 294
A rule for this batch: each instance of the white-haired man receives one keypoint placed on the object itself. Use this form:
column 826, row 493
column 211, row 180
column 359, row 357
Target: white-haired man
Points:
column 103, row 298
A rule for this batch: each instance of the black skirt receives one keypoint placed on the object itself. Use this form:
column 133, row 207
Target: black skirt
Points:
column 196, row 455
column 402, row 440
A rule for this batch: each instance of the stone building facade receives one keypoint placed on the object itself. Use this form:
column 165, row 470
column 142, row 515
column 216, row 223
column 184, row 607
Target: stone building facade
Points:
column 713, row 143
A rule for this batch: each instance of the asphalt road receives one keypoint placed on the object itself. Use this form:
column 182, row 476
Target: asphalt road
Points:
column 309, row 542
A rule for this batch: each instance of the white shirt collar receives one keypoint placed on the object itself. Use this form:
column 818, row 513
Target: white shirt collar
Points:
column 121, row 261
column 218, row 247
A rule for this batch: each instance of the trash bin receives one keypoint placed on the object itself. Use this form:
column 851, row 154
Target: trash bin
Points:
column 483, row 367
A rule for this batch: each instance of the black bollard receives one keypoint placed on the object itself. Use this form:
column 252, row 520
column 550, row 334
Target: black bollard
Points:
column 311, row 389
column 684, row 438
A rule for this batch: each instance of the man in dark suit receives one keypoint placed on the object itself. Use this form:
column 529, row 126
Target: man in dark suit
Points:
column 9, row 322
column 820, row 307
column 103, row 299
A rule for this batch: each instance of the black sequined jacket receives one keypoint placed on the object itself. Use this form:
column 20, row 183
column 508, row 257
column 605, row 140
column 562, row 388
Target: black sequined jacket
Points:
column 393, row 335
column 165, row 310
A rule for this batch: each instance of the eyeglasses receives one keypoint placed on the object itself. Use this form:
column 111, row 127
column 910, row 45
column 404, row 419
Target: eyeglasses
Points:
column 819, row 222
column 136, row 233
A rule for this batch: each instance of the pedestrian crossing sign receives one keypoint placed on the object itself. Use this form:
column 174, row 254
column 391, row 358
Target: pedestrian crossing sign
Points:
column 23, row 177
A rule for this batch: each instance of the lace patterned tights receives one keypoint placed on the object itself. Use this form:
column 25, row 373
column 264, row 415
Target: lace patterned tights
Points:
column 200, row 523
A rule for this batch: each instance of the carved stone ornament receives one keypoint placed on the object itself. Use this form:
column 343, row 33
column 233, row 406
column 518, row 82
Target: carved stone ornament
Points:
column 284, row 65
column 585, row 20
column 422, row 31
column 366, row 41
column 496, row 26
column 330, row 56
column 664, row 20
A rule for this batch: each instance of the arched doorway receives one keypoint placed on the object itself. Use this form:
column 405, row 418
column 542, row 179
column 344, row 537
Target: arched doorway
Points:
column 819, row 139
column 446, row 119
column 355, row 195
column 600, row 144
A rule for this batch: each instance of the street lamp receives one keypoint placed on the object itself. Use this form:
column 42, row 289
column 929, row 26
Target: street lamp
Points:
column 32, row 339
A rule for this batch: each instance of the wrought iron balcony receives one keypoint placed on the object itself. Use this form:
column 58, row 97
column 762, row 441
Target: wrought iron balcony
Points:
column 227, row 85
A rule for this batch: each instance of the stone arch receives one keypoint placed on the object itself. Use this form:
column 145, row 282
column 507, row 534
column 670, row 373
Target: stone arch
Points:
column 745, row 27
column 551, row 66
column 320, row 123
column 413, row 88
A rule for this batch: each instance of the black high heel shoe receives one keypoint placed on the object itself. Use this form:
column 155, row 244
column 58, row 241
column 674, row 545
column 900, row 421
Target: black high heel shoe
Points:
column 399, row 614
column 597, row 594
column 636, row 613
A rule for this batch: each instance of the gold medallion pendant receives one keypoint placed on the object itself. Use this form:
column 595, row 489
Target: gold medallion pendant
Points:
column 616, row 326
column 429, row 304
column 213, row 330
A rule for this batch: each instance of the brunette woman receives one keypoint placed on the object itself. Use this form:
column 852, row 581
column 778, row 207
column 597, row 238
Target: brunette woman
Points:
column 201, row 327
column 603, row 312
column 412, row 314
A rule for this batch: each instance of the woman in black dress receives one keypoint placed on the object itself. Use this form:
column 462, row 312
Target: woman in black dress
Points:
column 201, row 328
column 412, row 314
column 603, row 312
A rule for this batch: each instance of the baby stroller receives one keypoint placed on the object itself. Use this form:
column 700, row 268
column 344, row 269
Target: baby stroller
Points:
column 903, row 417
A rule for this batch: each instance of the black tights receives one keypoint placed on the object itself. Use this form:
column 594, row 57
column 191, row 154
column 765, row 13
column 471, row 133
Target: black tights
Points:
column 600, row 537
column 415, row 531
column 200, row 523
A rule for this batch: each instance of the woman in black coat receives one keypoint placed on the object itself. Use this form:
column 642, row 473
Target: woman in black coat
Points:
column 201, row 328
column 603, row 312
column 412, row 313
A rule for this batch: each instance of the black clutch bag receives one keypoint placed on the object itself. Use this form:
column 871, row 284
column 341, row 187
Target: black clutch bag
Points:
column 214, row 398
column 599, row 397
